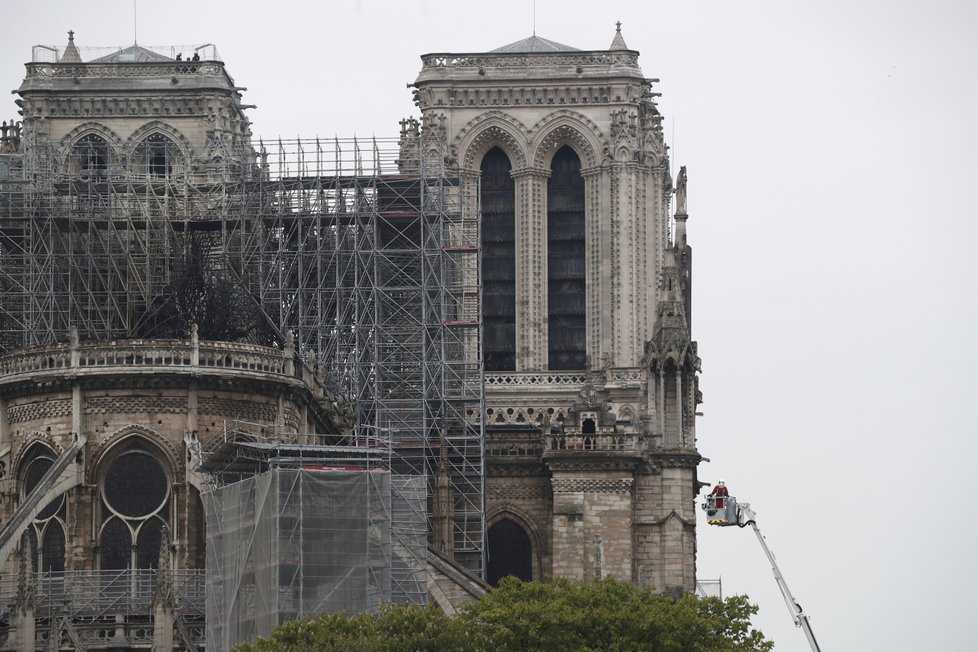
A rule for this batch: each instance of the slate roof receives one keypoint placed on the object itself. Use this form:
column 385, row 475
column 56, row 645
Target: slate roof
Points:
column 536, row 44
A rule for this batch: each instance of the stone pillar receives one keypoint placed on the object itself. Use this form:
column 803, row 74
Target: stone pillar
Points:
column 22, row 623
column 598, row 265
column 531, row 268
column 4, row 428
column 164, row 598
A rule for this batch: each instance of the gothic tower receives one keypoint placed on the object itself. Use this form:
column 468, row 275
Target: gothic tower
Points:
column 590, row 372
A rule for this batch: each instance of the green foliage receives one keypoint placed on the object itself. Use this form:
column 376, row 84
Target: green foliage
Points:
column 567, row 616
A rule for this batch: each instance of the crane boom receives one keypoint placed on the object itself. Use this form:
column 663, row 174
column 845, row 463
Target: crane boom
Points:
column 724, row 511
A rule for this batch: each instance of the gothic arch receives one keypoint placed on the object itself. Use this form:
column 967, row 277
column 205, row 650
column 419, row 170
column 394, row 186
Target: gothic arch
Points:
column 91, row 128
column 35, row 446
column 492, row 129
column 516, row 516
column 112, row 445
column 565, row 127
column 26, row 453
column 162, row 128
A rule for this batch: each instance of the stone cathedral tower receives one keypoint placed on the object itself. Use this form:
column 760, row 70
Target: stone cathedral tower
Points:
column 591, row 386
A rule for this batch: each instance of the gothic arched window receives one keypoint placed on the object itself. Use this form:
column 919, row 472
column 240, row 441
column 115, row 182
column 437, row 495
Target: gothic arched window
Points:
column 498, row 262
column 89, row 157
column 48, row 527
column 510, row 552
column 566, row 263
column 135, row 492
column 156, row 155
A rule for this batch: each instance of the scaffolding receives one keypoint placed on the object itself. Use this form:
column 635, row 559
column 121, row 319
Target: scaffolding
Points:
column 364, row 253
column 296, row 542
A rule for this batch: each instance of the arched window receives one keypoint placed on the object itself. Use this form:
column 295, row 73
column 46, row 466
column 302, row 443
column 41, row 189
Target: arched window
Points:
column 156, row 156
column 498, row 262
column 48, row 526
column 510, row 552
column 135, row 492
column 89, row 157
column 566, row 263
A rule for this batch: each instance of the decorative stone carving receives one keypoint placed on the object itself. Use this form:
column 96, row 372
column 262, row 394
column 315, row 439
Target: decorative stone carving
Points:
column 681, row 192
column 25, row 600
column 164, row 596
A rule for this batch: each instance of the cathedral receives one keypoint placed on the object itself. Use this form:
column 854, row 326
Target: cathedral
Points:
column 500, row 309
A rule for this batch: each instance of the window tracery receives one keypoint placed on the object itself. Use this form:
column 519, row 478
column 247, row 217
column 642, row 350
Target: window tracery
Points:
column 135, row 498
column 48, row 528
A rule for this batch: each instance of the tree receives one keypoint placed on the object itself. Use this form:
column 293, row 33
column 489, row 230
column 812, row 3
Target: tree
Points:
column 607, row 615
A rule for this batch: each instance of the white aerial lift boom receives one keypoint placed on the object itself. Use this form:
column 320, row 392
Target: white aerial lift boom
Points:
column 726, row 511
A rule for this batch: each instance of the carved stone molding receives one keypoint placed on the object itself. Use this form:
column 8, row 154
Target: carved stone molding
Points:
column 518, row 492
column 592, row 485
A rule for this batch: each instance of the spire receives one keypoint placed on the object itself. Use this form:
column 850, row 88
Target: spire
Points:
column 618, row 43
column 71, row 52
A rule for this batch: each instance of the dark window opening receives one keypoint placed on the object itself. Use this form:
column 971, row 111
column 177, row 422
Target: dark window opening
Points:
column 115, row 546
column 35, row 472
column 510, row 553
column 566, row 263
column 148, row 544
column 90, row 156
column 135, row 484
column 498, row 262
column 157, row 155
column 53, row 548
column 588, row 427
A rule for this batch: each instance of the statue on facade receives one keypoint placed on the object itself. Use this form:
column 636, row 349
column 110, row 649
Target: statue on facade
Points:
column 681, row 192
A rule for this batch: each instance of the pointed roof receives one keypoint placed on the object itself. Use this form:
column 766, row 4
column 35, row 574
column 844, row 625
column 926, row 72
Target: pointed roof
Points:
column 71, row 52
column 132, row 54
column 536, row 44
column 618, row 43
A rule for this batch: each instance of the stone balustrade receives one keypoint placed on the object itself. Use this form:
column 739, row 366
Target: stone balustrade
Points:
column 155, row 356
column 537, row 380
column 160, row 69
column 530, row 59
column 511, row 445
column 611, row 442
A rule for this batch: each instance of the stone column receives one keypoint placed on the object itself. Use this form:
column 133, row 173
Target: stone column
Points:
column 598, row 264
column 531, row 268
column 164, row 598
column 22, row 623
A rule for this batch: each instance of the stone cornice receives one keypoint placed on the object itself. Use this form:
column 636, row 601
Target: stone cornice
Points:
column 589, row 462
column 684, row 459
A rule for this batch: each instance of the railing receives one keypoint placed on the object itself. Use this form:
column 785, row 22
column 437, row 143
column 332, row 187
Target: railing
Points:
column 518, row 379
column 601, row 443
column 709, row 588
column 529, row 59
column 96, row 594
column 52, row 54
column 146, row 353
column 162, row 69
column 528, row 445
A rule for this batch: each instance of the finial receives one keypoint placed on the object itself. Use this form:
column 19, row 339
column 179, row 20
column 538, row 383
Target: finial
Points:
column 71, row 36
column 618, row 43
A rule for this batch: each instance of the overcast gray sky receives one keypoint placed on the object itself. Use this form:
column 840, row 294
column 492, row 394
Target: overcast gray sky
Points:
column 830, row 148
